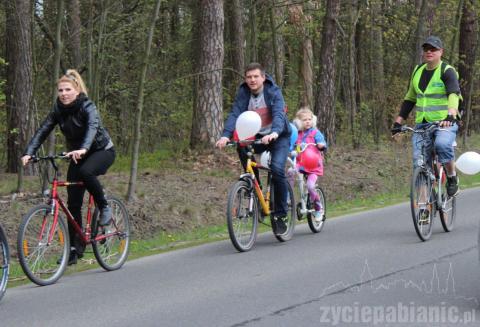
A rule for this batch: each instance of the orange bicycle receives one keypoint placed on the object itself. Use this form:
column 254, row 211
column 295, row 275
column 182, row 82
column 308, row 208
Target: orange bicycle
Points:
column 43, row 241
column 247, row 204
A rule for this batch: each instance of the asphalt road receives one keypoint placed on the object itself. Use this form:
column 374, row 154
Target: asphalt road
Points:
column 364, row 269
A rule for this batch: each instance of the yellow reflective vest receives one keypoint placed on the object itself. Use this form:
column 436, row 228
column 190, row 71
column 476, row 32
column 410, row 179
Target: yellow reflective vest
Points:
column 431, row 104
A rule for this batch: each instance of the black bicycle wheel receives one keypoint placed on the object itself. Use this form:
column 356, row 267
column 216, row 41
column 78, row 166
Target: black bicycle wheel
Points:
column 111, row 251
column 42, row 261
column 316, row 226
column 291, row 214
column 421, row 202
column 447, row 208
column 4, row 262
column 242, row 216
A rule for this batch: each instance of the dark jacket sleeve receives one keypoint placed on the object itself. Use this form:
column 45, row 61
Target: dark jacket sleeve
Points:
column 450, row 80
column 407, row 107
column 278, row 110
column 240, row 105
column 41, row 134
column 92, row 124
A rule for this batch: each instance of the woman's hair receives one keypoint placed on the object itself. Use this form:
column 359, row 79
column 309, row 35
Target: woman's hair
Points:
column 302, row 112
column 73, row 77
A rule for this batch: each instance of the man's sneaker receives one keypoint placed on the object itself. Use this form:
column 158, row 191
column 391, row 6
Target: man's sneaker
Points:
column 424, row 217
column 279, row 226
column 452, row 186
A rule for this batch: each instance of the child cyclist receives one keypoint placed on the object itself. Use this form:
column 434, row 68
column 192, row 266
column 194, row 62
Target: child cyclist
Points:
column 306, row 123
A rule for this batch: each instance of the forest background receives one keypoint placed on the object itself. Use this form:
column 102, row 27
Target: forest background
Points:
column 163, row 75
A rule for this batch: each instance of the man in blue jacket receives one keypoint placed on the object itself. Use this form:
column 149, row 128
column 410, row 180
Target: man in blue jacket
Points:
column 260, row 94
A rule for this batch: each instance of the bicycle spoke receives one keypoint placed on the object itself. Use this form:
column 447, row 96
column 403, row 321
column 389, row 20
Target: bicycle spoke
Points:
column 38, row 257
column 112, row 244
column 421, row 204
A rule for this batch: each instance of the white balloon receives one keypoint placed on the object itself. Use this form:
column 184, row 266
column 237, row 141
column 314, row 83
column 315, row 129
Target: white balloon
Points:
column 469, row 163
column 248, row 124
column 265, row 159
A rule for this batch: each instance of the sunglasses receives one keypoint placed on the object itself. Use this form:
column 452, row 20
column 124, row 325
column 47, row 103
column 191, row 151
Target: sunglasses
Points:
column 430, row 49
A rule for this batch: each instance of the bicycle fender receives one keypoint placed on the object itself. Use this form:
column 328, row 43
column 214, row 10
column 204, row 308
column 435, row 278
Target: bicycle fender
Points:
column 247, row 179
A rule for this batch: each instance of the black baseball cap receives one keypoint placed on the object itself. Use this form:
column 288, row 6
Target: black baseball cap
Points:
column 433, row 41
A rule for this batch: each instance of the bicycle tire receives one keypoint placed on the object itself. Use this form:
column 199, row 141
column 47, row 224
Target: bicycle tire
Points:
column 112, row 252
column 316, row 227
column 43, row 263
column 421, row 203
column 4, row 262
column 242, row 222
column 447, row 208
column 291, row 214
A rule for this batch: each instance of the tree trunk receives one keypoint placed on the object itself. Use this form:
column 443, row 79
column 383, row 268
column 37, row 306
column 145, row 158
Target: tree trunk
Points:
column 455, row 33
column 235, row 13
column 207, row 122
column 351, row 80
column 377, row 73
column 19, row 86
column 420, row 33
column 253, row 53
column 235, row 46
column 299, row 20
column 325, row 100
column 75, row 27
column 138, row 113
column 467, row 53
column 55, row 75
column 277, row 48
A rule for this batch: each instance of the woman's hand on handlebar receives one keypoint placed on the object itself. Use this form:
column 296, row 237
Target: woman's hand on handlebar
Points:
column 25, row 159
column 76, row 154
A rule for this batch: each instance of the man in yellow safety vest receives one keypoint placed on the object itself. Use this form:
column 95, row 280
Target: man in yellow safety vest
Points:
column 434, row 92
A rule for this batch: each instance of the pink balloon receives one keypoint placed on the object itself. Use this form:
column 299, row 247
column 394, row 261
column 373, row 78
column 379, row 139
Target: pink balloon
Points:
column 310, row 158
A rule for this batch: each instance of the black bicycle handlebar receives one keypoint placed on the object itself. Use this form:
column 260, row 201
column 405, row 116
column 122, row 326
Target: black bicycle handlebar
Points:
column 431, row 127
column 244, row 142
column 62, row 155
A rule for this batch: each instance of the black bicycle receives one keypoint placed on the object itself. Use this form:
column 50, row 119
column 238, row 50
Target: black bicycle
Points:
column 428, row 192
column 4, row 262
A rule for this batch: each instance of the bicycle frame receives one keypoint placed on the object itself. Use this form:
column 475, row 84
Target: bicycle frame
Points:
column 300, row 177
column 301, row 187
column 264, row 200
column 57, row 203
column 435, row 170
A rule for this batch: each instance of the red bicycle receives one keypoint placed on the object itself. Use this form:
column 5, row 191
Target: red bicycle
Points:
column 43, row 241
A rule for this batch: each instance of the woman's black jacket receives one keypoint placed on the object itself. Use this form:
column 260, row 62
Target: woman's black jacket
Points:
column 79, row 123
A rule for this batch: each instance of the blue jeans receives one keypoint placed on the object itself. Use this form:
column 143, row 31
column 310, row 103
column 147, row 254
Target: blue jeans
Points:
column 279, row 150
column 443, row 138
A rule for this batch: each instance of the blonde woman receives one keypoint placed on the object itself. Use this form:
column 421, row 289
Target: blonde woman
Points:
column 89, row 145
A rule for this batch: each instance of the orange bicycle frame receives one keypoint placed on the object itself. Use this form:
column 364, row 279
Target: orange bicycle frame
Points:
column 264, row 200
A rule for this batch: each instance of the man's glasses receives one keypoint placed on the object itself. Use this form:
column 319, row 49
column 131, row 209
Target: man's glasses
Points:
column 430, row 49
